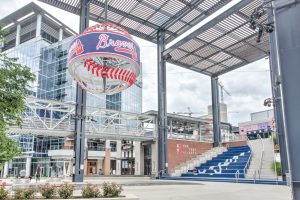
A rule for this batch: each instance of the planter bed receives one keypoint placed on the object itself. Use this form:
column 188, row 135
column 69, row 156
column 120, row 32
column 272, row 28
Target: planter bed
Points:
column 127, row 197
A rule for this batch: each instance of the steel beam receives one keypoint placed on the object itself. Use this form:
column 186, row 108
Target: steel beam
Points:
column 216, row 111
column 288, row 43
column 208, row 25
column 276, row 94
column 80, row 112
column 200, row 17
column 162, row 106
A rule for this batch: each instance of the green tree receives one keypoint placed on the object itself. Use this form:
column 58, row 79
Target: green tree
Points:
column 8, row 149
column 15, row 80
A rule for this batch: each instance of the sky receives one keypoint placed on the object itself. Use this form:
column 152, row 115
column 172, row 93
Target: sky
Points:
column 248, row 86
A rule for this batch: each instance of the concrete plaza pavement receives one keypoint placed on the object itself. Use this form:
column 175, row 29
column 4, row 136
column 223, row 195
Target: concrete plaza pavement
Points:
column 210, row 191
column 152, row 189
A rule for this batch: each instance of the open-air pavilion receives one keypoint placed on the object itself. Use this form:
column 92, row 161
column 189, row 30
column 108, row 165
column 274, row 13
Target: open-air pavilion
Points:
column 227, row 35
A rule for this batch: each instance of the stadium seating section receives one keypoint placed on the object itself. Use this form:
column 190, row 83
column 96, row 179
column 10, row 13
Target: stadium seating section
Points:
column 224, row 165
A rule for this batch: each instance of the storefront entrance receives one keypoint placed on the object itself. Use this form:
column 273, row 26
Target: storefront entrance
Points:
column 127, row 167
column 92, row 167
column 147, row 167
column 147, row 159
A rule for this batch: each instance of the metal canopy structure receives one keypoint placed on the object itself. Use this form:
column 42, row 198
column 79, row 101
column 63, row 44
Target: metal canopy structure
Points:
column 143, row 18
column 221, row 45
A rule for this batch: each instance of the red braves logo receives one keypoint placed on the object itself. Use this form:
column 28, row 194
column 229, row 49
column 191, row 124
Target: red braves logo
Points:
column 76, row 48
column 102, row 43
column 119, row 45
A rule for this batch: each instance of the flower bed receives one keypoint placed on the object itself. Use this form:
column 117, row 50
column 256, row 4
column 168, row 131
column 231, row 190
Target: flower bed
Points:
column 66, row 191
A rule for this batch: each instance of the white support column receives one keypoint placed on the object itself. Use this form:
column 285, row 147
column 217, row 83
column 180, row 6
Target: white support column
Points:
column 139, row 158
column 107, row 159
column 60, row 34
column 171, row 128
column 18, row 34
column 5, row 170
column 38, row 25
column 154, row 159
column 28, row 167
column 119, row 157
column 69, row 169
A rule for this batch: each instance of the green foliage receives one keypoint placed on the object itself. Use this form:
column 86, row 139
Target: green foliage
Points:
column 65, row 191
column 8, row 149
column 2, row 34
column 15, row 82
column 27, row 193
column 90, row 191
column 3, row 193
column 18, row 194
column 273, row 136
column 48, row 191
column 111, row 189
column 278, row 168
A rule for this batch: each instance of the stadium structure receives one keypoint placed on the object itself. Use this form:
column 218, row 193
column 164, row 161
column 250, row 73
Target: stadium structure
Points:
column 115, row 122
column 223, row 36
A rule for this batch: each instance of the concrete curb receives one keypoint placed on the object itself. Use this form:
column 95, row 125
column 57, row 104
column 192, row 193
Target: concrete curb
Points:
column 127, row 197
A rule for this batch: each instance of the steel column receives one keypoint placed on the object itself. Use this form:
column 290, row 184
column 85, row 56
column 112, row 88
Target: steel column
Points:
column 276, row 94
column 288, row 41
column 18, row 35
column 80, row 113
column 162, row 106
column 216, row 111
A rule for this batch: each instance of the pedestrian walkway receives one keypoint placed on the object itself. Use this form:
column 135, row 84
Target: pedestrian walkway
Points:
column 149, row 189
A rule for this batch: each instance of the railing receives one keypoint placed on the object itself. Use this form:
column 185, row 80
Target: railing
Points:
column 254, row 177
column 96, row 148
column 233, row 137
column 274, row 160
column 205, row 138
column 237, row 175
column 250, row 157
column 184, row 136
column 262, row 156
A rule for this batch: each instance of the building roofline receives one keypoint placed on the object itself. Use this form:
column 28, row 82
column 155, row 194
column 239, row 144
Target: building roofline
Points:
column 33, row 7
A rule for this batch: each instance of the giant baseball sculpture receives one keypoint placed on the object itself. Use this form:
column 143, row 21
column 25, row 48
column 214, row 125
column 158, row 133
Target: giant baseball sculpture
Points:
column 104, row 59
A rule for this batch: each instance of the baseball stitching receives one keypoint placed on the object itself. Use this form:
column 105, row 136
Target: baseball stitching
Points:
column 109, row 72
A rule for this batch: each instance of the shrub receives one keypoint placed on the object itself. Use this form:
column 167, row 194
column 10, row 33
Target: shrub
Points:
column 18, row 194
column 48, row 191
column 65, row 191
column 90, row 191
column 111, row 189
column 273, row 136
column 27, row 193
column 278, row 168
column 3, row 193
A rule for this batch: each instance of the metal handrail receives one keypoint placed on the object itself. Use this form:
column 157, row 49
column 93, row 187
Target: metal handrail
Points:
column 250, row 157
column 237, row 175
column 274, row 160
column 262, row 156
column 254, row 177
